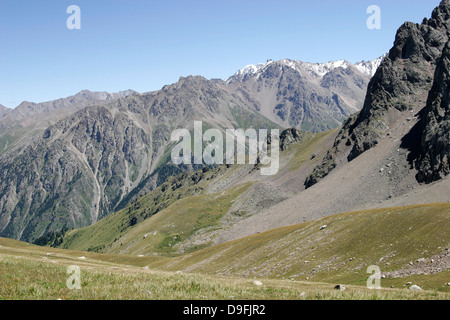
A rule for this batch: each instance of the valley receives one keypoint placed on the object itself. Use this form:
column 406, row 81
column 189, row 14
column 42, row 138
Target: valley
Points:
column 361, row 182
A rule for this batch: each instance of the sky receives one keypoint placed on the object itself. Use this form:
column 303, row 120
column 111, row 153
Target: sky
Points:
column 146, row 44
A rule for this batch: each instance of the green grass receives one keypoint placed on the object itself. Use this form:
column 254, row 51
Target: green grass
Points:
column 277, row 258
column 29, row 272
column 389, row 238
column 308, row 147
column 163, row 232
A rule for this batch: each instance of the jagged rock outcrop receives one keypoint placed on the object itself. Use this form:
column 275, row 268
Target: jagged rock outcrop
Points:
column 402, row 84
column 321, row 171
column 403, row 79
column 290, row 136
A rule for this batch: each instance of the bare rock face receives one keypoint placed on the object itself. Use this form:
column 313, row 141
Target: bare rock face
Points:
column 38, row 116
column 321, row 171
column 433, row 161
column 290, row 136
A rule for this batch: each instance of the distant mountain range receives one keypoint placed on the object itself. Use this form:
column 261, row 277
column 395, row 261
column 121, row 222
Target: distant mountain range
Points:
column 330, row 76
column 313, row 69
column 28, row 109
column 82, row 167
column 309, row 96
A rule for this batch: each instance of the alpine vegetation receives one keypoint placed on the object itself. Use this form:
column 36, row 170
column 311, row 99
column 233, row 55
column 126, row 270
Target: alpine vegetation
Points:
column 235, row 147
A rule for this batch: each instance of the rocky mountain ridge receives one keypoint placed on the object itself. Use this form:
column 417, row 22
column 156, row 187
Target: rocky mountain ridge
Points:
column 409, row 84
column 370, row 67
column 433, row 161
column 19, row 126
column 314, row 69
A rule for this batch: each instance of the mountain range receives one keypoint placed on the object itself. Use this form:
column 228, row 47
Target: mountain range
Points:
column 72, row 161
column 365, row 142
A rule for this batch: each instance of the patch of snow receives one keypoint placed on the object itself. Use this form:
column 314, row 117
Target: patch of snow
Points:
column 257, row 283
column 370, row 67
column 317, row 70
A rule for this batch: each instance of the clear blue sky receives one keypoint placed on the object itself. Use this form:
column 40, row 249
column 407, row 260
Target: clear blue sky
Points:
column 145, row 44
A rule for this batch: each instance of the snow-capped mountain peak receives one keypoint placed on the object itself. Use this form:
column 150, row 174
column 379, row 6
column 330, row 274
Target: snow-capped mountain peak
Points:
column 321, row 69
column 370, row 67
column 316, row 70
column 252, row 69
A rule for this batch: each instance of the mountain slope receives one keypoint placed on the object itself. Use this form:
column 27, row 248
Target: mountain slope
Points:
column 434, row 153
column 339, row 249
column 311, row 96
column 107, row 232
column 82, row 167
column 19, row 126
column 408, row 244
column 30, row 272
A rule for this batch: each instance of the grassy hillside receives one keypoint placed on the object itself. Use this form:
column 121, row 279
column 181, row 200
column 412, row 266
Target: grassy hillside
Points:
column 31, row 272
column 163, row 220
column 159, row 220
column 394, row 239
column 166, row 231
column 310, row 146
